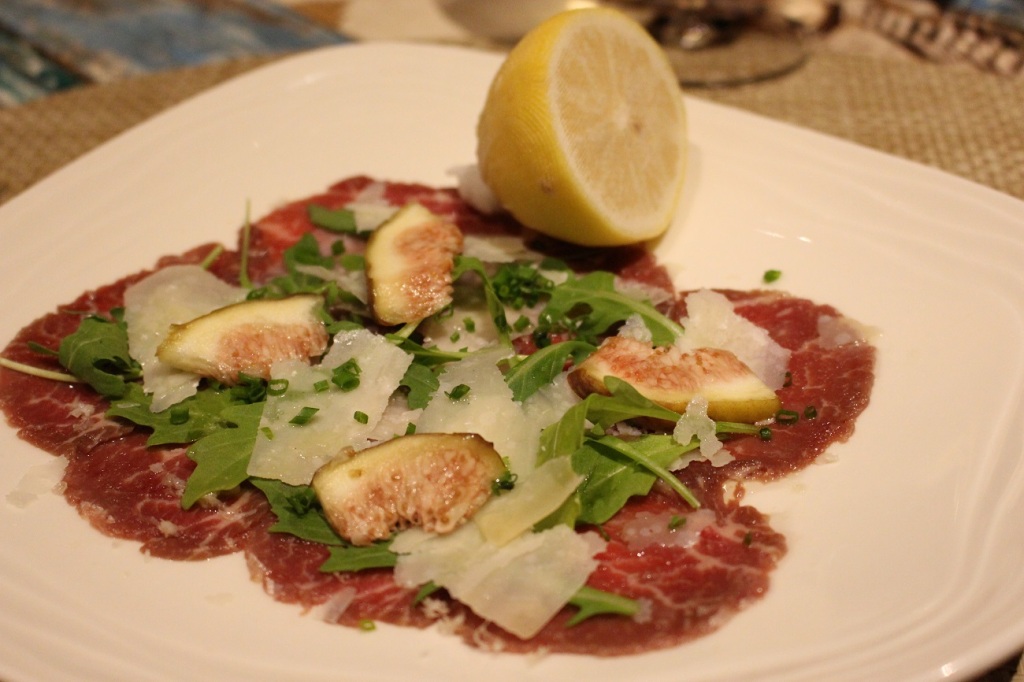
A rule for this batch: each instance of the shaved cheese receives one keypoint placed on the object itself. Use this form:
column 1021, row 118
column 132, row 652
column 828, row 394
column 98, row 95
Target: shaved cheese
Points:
column 293, row 452
column 173, row 295
column 352, row 281
column 498, row 249
column 533, row 498
column 696, row 422
column 487, row 409
column 473, row 190
column 712, row 322
column 519, row 586
column 468, row 327
column 635, row 328
column 369, row 216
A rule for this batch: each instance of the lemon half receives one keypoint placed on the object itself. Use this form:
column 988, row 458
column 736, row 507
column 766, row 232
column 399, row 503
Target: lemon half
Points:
column 583, row 133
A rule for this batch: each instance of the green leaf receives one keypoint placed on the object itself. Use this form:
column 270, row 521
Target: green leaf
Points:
column 188, row 421
column 430, row 357
column 422, row 384
column 298, row 512
column 341, row 220
column 595, row 306
column 222, row 457
column 625, row 402
column 350, row 558
column 495, row 307
column 97, row 353
column 539, row 369
column 620, row 469
column 594, row 602
column 565, row 436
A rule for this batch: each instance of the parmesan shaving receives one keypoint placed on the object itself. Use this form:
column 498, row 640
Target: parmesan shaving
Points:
column 519, row 586
column 712, row 322
column 696, row 422
column 293, row 452
column 532, row 499
column 487, row 409
column 172, row 295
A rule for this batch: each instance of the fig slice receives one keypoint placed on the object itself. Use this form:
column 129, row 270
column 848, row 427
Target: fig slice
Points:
column 672, row 378
column 247, row 337
column 434, row 480
column 409, row 261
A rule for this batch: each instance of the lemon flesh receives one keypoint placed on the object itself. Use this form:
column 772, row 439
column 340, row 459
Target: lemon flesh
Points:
column 583, row 133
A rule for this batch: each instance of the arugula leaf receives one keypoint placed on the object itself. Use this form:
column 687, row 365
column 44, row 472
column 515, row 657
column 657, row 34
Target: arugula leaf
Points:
column 430, row 357
column 565, row 436
column 539, row 369
column 617, row 470
column 298, row 512
column 97, row 353
column 625, row 402
column 185, row 422
column 604, row 307
column 593, row 602
column 341, row 220
column 422, row 384
column 351, row 558
column 222, row 457
column 495, row 307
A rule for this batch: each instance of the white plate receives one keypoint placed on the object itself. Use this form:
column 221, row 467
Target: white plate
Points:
column 906, row 552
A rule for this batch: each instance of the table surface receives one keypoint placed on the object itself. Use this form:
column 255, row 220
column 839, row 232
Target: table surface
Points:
column 959, row 116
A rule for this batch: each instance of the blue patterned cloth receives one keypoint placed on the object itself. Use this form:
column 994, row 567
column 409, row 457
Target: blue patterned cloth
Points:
column 50, row 45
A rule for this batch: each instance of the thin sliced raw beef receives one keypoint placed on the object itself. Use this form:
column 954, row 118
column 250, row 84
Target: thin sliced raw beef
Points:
column 689, row 576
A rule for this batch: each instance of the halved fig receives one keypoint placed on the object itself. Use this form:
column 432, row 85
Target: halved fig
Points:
column 247, row 337
column 435, row 481
column 671, row 378
column 409, row 261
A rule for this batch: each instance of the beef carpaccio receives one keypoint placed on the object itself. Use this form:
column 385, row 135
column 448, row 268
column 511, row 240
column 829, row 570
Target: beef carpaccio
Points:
column 687, row 569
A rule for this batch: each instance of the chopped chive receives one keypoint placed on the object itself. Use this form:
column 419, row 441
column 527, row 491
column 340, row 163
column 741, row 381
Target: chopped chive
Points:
column 277, row 387
column 470, row 324
column 787, row 417
column 765, row 434
column 304, row 415
column 367, row 625
column 772, row 276
column 810, row 412
column 458, row 392
column 410, row 429
column 454, row 337
column 676, row 521
column 521, row 323
column 268, row 432
column 346, row 375
column 321, row 386
column 361, row 417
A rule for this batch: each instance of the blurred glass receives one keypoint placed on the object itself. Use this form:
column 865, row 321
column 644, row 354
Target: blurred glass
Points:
column 720, row 43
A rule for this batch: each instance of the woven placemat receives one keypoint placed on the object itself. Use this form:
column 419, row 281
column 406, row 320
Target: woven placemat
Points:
column 964, row 122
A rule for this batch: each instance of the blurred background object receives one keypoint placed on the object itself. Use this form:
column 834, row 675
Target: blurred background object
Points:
column 52, row 45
